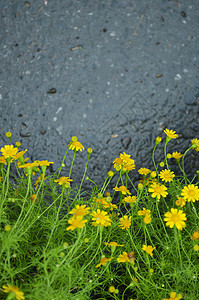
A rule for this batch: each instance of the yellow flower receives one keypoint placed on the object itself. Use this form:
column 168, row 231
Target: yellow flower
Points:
column 122, row 189
column 29, row 166
column 129, row 199
column 174, row 296
column 111, row 289
column 9, row 151
column 110, row 173
column 195, row 236
column 89, row 150
column 2, row 160
column 176, row 218
column 167, row 175
column 125, row 222
column 113, row 244
column 15, row 290
column 171, row 134
column 143, row 212
column 64, row 180
column 75, row 145
column 79, row 211
column 123, row 258
column 190, row 193
column 180, row 202
column 118, row 163
column 20, row 154
column 124, row 162
column 18, row 144
column 147, row 219
column 8, row 134
column 103, row 260
column 196, row 247
column 162, row 164
column 38, row 182
column 135, row 279
column 65, row 245
column 101, row 218
column 158, row 190
column 158, row 140
column 196, row 143
column 77, row 222
column 176, row 155
column 7, row 228
column 105, row 202
column 46, row 163
column 153, row 174
column 144, row 171
column 148, row 249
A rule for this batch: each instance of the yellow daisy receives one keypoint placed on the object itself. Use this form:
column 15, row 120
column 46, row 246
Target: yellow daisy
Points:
column 77, row 222
column 2, row 160
column 143, row 212
column 195, row 236
column 44, row 163
column 167, row 175
column 123, row 258
column 64, row 180
column 124, row 162
column 103, row 260
column 29, row 165
column 196, row 143
column 147, row 219
column 9, row 151
column 144, row 171
column 129, row 199
column 79, row 211
column 122, row 189
column 75, row 145
column 176, row 155
column 176, row 218
column 125, row 222
column 180, row 202
column 101, row 218
column 174, row 296
column 158, row 190
column 190, row 193
column 15, row 290
column 171, row 134
column 148, row 249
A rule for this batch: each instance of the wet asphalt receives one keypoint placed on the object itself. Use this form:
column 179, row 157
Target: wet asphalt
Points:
column 114, row 73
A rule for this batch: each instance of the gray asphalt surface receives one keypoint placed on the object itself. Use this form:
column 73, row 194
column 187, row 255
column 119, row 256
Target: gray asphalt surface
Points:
column 114, row 73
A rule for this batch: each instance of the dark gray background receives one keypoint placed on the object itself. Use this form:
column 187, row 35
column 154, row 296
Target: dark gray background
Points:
column 104, row 58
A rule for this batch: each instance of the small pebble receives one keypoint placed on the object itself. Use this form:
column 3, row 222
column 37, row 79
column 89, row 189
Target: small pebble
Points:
column 52, row 91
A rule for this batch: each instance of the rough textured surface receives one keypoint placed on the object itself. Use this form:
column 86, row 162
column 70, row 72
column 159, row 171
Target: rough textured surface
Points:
column 114, row 73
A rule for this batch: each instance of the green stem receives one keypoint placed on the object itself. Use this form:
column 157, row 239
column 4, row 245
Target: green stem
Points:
column 74, row 154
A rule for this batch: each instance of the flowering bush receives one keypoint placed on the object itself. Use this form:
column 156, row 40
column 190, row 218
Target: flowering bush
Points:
column 58, row 242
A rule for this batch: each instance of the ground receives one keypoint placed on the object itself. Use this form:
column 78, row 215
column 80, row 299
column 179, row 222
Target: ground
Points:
column 114, row 73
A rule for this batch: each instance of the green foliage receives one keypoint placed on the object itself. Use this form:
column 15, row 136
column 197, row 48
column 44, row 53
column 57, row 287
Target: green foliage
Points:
column 47, row 252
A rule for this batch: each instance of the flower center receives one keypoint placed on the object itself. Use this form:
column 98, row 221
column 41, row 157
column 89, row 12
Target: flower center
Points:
column 191, row 193
column 175, row 218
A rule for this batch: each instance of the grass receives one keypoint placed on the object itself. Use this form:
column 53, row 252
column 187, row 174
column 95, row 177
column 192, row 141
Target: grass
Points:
column 60, row 242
